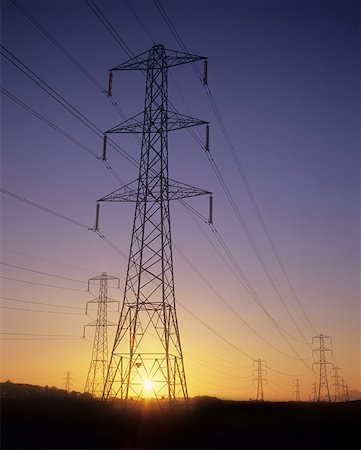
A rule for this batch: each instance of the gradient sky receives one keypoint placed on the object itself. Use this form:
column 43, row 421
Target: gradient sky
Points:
column 285, row 77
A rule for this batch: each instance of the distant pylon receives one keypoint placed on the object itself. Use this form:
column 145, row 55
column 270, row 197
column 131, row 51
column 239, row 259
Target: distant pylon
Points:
column 323, row 388
column 347, row 395
column 297, row 390
column 99, row 359
column 67, row 381
column 314, row 392
column 342, row 390
column 337, row 384
column 260, row 364
column 147, row 358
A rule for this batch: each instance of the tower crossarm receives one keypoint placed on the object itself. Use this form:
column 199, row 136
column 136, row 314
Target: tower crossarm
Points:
column 176, row 191
column 176, row 121
column 97, row 300
column 149, row 59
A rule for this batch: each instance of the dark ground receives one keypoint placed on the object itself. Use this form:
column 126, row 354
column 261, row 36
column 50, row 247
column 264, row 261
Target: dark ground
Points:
column 48, row 418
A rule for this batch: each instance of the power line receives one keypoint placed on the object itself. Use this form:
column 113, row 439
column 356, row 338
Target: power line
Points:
column 139, row 20
column 68, row 55
column 47, row 260
column 122, row 254
column 58, row 45
column 266, row 268
column 40, row 311
column 42, row 273
column 61, row 100
column 36, row 205
column 211, row 366
column 239, row 317
column 220, row 336
column 109, row 27
column 40, row 303
column 255, row 204
column 234, row 268
column 61, row 131
column 47, row 122
column 40, row 335
column 41, row 284
column 289, row 374
column 214, row 355
column 131, row 54
column 244, row 226
column 37, row 339
column 247, row 285
column 43, row 208
column 48, row 89
column 252, row 241
column 178, row 38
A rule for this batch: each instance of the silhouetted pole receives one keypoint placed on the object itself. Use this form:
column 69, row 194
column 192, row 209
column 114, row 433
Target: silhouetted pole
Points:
column 314, row 392
column 99, row 360
column 260, row 380
column 297, row 390
column 323, row 388
column 337, row 383
column 67, row 381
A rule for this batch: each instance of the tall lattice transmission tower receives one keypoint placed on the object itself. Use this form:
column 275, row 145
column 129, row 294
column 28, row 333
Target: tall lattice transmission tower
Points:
column 323, row 388
column 68, row 380
column 99, row 359
column 297, row 388
column 260, row 364
column 337, row 384
column 314, row 392
column 147, row 358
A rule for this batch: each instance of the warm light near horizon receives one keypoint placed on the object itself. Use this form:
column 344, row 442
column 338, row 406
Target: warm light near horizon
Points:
column 148, row 385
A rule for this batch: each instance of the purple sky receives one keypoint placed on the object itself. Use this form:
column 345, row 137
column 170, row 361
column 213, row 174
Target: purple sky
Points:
column 285, row 77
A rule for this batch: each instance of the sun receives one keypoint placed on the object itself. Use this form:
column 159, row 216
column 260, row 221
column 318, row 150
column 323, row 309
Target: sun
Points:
column 148, row 385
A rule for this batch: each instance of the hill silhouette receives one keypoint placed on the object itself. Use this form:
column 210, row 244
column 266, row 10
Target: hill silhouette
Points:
column 43, row 417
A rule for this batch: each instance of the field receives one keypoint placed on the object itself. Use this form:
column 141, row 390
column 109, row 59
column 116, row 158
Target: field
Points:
column 50, row 418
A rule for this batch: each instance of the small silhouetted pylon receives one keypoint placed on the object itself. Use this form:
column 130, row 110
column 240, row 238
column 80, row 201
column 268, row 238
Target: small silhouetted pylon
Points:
column 314, row 392
column 347, row 395
column 99, row 359
column 259, row 370
column 323, row 394
column 67, row 381
column 337, row 384
column 297, row 390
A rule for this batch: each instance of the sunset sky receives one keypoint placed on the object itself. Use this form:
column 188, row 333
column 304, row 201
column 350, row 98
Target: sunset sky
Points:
column 285, row 77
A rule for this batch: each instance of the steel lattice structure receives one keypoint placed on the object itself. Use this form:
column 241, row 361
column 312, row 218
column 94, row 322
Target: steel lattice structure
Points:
column 297, row 387
column 147, row 358
column 67, row 380
column 314, row 392
column 338, row 384
column 99, row 359
column 259, row 370
column 323, row 388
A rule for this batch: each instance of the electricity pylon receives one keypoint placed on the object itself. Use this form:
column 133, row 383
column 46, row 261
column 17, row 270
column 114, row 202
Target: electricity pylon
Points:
column 338, row 394
column 67, row 380
column 323, row 389
column 99, row 360
column 260, row 364
column 297, row 390
column 147, row 358
column 314, row 392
